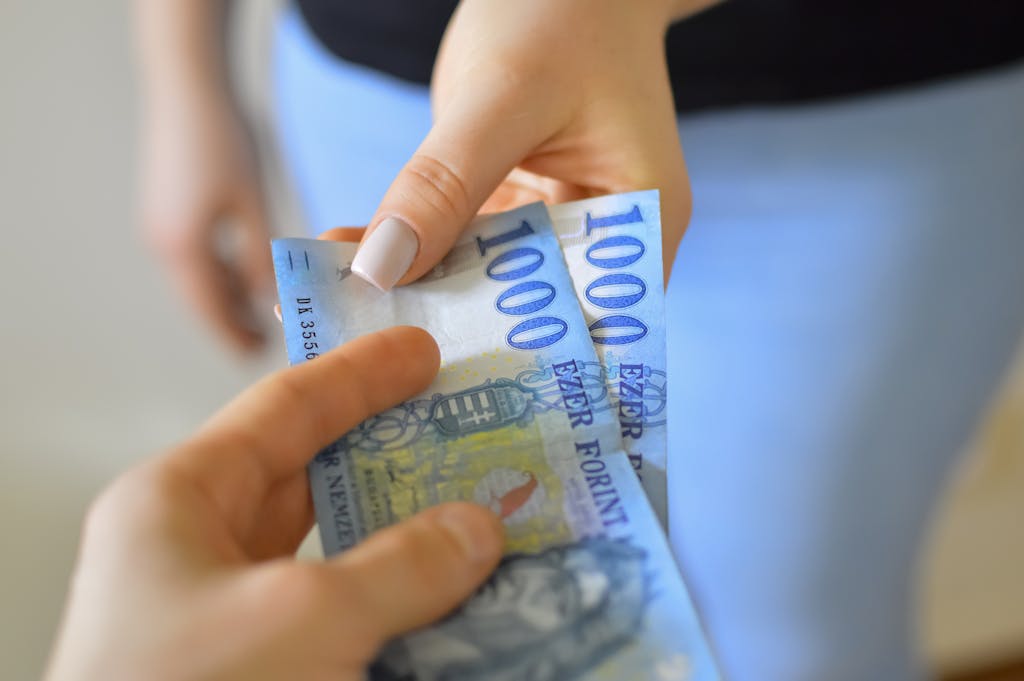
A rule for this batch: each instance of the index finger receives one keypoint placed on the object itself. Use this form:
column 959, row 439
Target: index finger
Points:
column 274, row 428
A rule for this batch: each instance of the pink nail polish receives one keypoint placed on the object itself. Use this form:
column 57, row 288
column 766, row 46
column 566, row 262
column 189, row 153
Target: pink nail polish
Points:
column 387, row 253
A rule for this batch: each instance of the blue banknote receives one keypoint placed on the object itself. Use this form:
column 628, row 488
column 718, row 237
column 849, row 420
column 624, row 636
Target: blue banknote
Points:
column 612, row 246
column 520, row 419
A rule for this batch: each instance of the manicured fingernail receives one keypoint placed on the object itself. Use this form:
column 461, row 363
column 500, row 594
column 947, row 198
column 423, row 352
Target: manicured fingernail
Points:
column 277, row 313
column 473, row 530
column 387, row 253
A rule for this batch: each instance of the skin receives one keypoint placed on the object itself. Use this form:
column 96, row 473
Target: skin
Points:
column 522, row 112
column 200, row 182
column 186, row 567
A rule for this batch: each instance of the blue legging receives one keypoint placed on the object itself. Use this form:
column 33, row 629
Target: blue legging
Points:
column 848, row 294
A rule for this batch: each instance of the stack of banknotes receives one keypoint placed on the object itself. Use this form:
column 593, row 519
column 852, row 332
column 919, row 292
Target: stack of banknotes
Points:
column 550, row 409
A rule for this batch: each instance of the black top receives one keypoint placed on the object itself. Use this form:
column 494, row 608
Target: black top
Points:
column 738, row 52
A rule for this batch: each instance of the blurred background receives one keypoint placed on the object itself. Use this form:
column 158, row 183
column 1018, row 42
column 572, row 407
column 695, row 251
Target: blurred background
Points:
column 102, row 365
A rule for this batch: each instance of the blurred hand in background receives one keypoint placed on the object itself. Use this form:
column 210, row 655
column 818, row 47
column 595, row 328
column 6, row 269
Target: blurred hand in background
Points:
column 202, row 206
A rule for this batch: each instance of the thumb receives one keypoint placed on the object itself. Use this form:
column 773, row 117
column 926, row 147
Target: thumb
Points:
column 413, row 573
column 477, row 140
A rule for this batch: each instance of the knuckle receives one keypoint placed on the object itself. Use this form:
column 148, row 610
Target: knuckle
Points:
column 132, row 498
column 304, row 588
column 437, row 184
column 430, row 550
column 300, row 592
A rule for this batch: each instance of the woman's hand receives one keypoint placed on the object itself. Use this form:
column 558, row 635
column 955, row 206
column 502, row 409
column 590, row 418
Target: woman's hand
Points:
column 548, row 100
column 202, row 201
column 203, row 212
column 186, row 568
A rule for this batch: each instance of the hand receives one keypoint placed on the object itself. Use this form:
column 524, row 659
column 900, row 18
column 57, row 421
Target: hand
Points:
column 204, row 214
column 535, row 100
column 185, row 570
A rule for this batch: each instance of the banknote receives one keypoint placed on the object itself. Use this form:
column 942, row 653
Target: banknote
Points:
column 612, row 246
column 519, row 419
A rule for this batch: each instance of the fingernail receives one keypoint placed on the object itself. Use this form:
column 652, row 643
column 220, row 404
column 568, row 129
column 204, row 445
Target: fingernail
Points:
column 277, row 313
column 473, row 530
column 387, row 253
